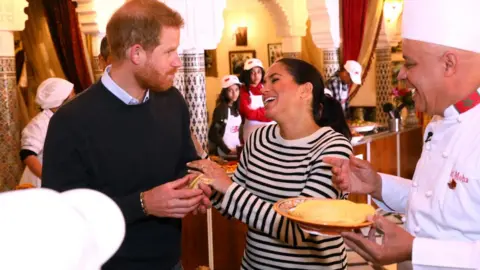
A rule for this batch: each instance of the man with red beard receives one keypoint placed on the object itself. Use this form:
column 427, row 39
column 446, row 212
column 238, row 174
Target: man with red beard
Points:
column 128, row 136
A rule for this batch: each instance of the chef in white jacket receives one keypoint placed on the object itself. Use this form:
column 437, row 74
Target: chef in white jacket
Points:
column 442, row 201
column 51, row 94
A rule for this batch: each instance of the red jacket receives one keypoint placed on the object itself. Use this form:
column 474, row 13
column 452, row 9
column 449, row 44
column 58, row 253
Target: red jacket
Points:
column 245, row 110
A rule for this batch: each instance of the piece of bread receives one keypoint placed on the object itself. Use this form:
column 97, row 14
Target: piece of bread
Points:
column 200, row 179
column 341, row 212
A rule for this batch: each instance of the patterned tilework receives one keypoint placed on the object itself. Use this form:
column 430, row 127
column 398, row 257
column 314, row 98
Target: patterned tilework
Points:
column 10, row 165
column 383, row 82
column 195, row 95
column 179, row 80
column 330, row 62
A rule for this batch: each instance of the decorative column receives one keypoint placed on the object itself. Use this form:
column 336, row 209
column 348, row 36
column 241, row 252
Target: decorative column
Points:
column 96, row 67
column 383, row 81
column 179, row 80
column 195, row 93
column 331, row 61
column 93, row 16
column 325, row 29
column 12, row 18
column 386, row 40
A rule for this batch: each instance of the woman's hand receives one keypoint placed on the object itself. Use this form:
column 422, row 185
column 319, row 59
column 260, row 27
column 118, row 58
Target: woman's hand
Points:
column 212, row 170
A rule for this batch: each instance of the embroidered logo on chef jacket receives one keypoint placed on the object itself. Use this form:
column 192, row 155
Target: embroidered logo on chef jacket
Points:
column 458, row 176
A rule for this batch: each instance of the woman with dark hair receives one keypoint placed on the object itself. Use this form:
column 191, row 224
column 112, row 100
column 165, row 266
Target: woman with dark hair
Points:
column 251, row 103
column 224, row 132
column 282, row 161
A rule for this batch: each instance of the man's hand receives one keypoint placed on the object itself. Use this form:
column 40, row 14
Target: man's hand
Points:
column 356, row 176
column 173, row 199
column 205, row 202
column 396, row 247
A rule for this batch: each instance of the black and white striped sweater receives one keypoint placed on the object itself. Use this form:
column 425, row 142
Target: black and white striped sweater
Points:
column 270, row 169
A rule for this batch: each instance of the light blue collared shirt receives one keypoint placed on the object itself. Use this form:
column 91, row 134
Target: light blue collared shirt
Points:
column 118, row 91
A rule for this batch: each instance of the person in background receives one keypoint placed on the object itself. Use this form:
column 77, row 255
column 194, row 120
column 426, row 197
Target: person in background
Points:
column 340, row 82
column 285, row 160
column 441, row 202
column 251, row 103
column 224, row 132
column 128, row 136
column 51, row 94
column 198, row 146
column 104, row 58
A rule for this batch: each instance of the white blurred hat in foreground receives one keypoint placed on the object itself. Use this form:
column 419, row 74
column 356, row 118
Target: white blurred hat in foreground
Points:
column 43, row 229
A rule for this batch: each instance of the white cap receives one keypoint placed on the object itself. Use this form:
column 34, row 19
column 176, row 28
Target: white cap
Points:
column 445, row 22
column 43, row 229
column 355, row 70
column 251, row 63
column 53, row 92
column 229, row 80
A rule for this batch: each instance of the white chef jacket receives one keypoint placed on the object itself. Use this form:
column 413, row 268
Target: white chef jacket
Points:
column 445, row 221
column 33, row 139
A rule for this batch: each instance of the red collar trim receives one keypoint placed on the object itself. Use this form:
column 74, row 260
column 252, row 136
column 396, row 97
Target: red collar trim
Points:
column 469, row 102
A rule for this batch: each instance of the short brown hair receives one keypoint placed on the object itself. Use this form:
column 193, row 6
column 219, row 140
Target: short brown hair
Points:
column 104, row 49
column 139, row 22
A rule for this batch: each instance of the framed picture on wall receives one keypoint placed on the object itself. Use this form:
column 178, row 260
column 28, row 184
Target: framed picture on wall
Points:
column 274, row 52
column 238, row 58
column 211, row 63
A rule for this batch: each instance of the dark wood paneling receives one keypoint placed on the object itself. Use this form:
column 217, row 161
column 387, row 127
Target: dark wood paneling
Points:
column 383, row 155
column 359, row 150
column 194, row 241
column 228, row 242
column 411, row 149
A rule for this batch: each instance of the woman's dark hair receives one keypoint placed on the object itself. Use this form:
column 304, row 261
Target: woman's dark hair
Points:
column 327, row 111
column 245, row 77
column 223, row 99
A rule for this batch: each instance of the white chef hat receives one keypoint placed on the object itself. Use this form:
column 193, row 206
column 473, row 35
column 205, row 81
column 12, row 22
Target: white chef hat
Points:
column 53, row 92
column 444, row 22
column 229, row 80
column 43, row 229
column 251, row 63
column 354, row 69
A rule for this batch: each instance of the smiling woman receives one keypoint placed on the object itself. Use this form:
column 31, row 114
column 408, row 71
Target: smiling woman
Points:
column 286, row 160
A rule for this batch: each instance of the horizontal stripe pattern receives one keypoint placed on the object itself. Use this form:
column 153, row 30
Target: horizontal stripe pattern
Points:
column 271, row 169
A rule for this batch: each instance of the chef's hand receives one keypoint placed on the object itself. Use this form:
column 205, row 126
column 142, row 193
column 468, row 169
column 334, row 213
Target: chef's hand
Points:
column 214, row 171
column 173, row 199
column 356, row 176
column 205, row 202
column 396, row 246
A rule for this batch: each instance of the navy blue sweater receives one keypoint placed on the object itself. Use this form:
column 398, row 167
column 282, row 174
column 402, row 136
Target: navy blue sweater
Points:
column 96, row 141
